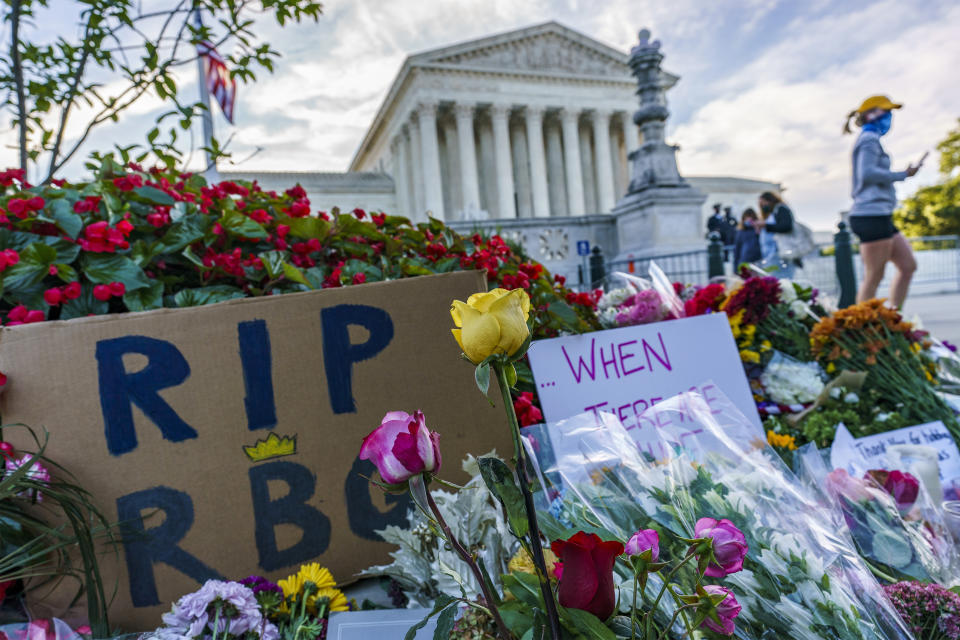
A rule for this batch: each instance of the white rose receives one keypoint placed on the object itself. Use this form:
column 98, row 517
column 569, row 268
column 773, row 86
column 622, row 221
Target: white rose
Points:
column 788, row 293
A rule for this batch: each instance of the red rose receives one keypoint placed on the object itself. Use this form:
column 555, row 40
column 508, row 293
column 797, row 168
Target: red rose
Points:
column 587, row 580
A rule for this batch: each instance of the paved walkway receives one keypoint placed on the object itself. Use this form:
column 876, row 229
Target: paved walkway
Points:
column 938, row 313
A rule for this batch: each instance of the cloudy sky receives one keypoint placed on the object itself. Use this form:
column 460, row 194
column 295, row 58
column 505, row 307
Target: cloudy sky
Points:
column 764, row 88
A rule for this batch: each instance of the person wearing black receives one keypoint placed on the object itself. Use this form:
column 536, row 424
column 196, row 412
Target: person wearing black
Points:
column 747, row 243
column 725, row 225
column 775, row 218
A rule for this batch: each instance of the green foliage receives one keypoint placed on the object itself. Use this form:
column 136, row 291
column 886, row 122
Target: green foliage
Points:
column 43, row 550
column 118, row 54
column 935, row 210
column 174, row 241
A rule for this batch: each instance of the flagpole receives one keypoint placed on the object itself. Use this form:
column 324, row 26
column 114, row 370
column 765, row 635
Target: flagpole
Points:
column 206, row 116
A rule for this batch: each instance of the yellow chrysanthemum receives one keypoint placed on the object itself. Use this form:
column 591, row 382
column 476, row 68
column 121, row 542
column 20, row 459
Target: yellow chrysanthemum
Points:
column 293, row 586
column 521, row 562
column 750, row 356
column 781, row 440
column 316, row 574
column 335, row 599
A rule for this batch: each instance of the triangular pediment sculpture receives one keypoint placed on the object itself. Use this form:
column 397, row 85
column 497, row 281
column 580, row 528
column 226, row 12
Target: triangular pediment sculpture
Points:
column 547, row 48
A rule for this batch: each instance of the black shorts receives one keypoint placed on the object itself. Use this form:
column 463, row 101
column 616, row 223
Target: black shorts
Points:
column 873, row 228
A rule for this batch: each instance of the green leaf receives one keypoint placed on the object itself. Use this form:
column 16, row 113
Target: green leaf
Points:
column 524, row 587
column 273, row 262
column 482, row 375
column 564, row 313
column 206, row 295
column 306, row 228
column 238, row 224
column 104, row 268
column 61, row 212
column 183, row 233
column 500, row 481
column 65, row 272
column 292, row 272
column 511, row 373
column 33, row 267
column 154, row 196
column 145, row 299
column 83, row 306
column 445, row 624
column 442, row 602
column 588, row 624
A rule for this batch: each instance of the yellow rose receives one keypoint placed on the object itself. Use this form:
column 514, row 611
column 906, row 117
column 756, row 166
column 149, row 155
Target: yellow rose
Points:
column 491, row 323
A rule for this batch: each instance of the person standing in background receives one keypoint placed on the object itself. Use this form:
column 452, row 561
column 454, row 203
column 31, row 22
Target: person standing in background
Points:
column 775, row 218
column 874, row 199
column 747, row 244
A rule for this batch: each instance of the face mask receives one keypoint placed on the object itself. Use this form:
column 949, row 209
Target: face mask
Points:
column 766, row 208
column 881, row 125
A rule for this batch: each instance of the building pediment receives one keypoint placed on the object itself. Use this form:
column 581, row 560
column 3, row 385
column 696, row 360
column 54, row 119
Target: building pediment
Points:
column 548, row 48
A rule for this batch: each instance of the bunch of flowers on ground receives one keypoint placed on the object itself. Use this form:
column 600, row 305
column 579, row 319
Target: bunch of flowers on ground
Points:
column 930, row 611
column 296, row 608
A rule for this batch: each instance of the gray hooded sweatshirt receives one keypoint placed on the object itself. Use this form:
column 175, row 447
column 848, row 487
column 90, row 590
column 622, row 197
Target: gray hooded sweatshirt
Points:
column 873, row 192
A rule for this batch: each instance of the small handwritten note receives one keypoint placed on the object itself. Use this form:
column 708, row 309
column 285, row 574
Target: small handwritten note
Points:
column 850, row 453
column 629, row 370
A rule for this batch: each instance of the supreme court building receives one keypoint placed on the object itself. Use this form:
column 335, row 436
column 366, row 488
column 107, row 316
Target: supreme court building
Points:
column 542, row 133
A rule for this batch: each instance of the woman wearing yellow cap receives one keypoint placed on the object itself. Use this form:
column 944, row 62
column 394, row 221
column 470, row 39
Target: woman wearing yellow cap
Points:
column 874, row 199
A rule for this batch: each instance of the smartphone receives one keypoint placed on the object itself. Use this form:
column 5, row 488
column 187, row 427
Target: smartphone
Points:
column 922, row 158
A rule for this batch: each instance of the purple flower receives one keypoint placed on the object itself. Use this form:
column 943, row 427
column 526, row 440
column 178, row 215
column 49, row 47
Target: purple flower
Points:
column 643, row 540
column 950, row 345
column 727, row 610
column 259, row 584
column 729, row 546
column 193, row 615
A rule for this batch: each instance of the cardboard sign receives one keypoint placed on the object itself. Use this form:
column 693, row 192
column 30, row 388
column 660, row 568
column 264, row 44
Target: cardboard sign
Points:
column 385, row 624
column 627, row 371
column 227, row 435
column 871, row 452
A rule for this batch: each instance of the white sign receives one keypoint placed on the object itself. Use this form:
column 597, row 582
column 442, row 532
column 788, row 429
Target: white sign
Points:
column 379, row 624
column 627, row 371
column 873, row 452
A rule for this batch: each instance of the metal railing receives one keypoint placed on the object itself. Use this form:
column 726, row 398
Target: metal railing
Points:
column 833, row 268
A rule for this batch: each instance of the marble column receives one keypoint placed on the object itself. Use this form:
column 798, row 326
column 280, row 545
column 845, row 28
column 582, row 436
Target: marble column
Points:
column 398, row 152
column 556, row 184
column 571, row 154
column 601, row 152
column 500, row 117
column 469, row 182
column 416, row 170
column 430, row 156
column 538, row 162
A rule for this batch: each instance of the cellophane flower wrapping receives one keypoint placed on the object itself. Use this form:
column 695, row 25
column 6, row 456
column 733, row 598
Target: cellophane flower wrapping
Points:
column 789, row 381
column 901, row 542
column 802, row 577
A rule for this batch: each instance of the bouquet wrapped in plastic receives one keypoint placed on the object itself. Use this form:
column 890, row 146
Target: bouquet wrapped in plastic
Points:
column 896, row 527
column 801, row 577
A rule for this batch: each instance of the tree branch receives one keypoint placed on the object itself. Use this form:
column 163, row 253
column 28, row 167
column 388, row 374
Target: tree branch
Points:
column 17, row 66
column 77, row 75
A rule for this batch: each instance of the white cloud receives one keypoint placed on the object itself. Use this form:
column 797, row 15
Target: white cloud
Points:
column 780, row 118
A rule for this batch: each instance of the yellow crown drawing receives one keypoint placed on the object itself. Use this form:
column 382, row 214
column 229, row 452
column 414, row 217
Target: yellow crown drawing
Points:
column 272, row 447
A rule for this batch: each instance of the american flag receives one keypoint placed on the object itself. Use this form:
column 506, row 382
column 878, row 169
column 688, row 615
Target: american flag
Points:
column 219, row 83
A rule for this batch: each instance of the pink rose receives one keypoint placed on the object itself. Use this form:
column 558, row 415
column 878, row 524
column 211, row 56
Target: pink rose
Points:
column 841, row 483
column 401, row 447
column 727, row 610
column 643, row 540
column 729, row 546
